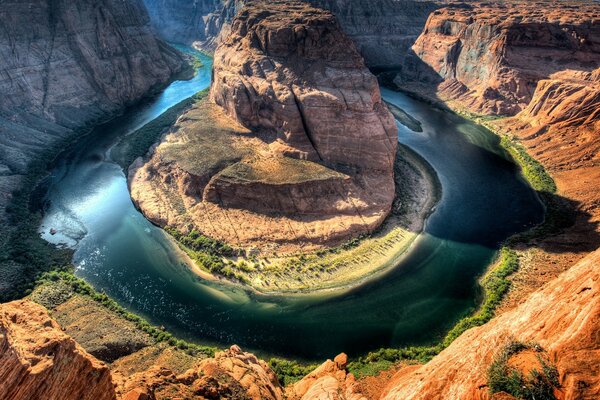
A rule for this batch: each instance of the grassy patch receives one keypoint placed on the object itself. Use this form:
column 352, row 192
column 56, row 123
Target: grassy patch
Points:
column 65, row 283
column 289, row 371
column 137, row 143
column 538, row 384
column 532, row 169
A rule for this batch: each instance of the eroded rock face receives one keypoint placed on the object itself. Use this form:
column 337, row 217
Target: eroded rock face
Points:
column 288, row 68
column 296, row 149
column 489, row 57
column 39, row 361
column 563, row 317
column 329, row 381
column 65, row 64
column 231, row 374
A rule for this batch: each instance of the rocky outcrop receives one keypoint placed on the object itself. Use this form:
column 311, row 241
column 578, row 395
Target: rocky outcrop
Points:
column 329, row 381
column 231, row 374
column 489, row 57
column 382, row 30
column 563, row 317
column 39, row 361
column 288, row 68
column 64, row 65
column 297, row 146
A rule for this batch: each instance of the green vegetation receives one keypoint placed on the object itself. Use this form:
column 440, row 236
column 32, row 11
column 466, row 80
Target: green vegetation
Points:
column 137, row 143
column 537, row 385
column 22, row 247
column 289, row 371
column 66, row 280
column 532, row 170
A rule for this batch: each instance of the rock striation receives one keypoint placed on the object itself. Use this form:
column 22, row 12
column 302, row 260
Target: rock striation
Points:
column 563, row 317
column 382, row 30
column 301, row 146
column 64, row 65
column 39, row 361
column 488, row 58
column 231, row 374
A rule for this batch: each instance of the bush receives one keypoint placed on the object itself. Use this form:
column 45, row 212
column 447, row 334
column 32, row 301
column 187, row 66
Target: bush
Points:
column 288, row 371
column 538, row 385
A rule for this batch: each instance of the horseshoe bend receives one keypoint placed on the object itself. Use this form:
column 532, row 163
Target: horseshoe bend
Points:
column 317, row 199
column 292, row 151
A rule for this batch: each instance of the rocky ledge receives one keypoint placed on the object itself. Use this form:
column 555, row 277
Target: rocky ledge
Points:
column 294, row 150
column 488, row 57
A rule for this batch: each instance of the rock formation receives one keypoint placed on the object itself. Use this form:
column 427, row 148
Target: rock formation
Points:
column 489, row 57
column 563, row 317
column 382, row 30
column 329, row 381
column 231, row 374
column 301, row 145
column 64, row 65
column 39, row 361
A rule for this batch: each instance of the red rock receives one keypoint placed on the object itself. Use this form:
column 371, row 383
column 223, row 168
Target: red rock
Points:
column 39, row 361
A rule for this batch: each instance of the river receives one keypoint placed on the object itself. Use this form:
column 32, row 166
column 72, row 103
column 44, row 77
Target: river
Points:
column 484, row 200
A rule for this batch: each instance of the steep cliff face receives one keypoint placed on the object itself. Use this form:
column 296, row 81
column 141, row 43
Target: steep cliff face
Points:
column 489, row 57
column 201, row 23
column 383, row 30
column 301, row 145
column 39, row 361
column 66, row 64
column 563, row 317
column 289, row 69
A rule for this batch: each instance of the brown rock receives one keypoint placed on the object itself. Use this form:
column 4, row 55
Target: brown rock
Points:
column 39, row 361
column 329, row 381
column 298, row 152
column 489, row 57
column 231, row 374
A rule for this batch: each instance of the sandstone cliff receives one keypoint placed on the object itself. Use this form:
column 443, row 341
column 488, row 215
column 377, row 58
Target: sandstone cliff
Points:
column 489, row 57
column 563, row 317
column 39, row 361
column 297, row 146
column 64, row 65
column 382, row 30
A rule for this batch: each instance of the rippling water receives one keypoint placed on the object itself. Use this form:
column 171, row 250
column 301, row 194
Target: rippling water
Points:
column 117, row 250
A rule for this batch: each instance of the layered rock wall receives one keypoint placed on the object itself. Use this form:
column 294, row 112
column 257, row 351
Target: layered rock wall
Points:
column 66, row 64
column 489, row 58
column 39, row 361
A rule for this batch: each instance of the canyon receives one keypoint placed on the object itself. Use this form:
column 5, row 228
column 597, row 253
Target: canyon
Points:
column 65, row 67
column 528, row 71
column 382, row 31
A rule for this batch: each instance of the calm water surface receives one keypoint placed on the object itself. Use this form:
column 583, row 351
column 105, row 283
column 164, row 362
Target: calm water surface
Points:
column 117, row 250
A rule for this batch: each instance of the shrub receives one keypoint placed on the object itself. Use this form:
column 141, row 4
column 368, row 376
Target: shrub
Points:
column 538, row 385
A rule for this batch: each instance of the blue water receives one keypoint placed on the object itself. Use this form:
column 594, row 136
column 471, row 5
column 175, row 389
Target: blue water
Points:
column 117, row 250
